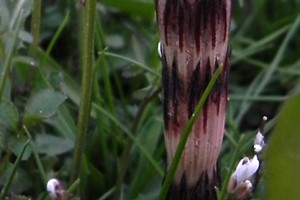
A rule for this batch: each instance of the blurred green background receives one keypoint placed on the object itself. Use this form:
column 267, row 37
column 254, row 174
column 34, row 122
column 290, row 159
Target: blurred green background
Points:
column 124, row 153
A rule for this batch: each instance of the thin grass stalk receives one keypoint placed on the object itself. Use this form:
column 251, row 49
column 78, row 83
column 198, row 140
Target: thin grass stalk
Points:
column 257, row 46
column 259, row 98
column 88, row 9
column 137, row 63
column 132, row 137
column 102, row 141
column 107, row 194
column 129, row 144
column 7, row 61
column 105, row 71
column 16, row 14
column 74, row 186
column 35, row 26
column 13, row 172
column 107, row 98
column 36, row 156
column 259, row 83
column 57, row 34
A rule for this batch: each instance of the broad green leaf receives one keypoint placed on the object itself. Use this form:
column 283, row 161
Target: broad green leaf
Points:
column 283, row 154
column 115, row 41
column 25, row 36
column 45, row 103
column 69, row 86
column 52, row 145
column 63, row 123
column 23, row 7
column 9, row 115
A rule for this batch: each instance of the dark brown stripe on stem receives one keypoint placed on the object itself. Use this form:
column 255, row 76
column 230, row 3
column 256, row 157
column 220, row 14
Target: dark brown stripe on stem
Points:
column 175, row 85
column 166, row 16
column 181, row 24
column 216, row 93
column 205, row 13
column 194, row 90
column 169, row 18
column 202, row 190
column 213, row 21
column 165, row 84
column 224, row 20
column 198, row 25
column 205, row 81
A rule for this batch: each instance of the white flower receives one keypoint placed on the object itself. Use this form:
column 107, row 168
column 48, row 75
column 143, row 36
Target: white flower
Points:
column 52, row 186
column 56, row 190
column 245, row 169
column 239, row 184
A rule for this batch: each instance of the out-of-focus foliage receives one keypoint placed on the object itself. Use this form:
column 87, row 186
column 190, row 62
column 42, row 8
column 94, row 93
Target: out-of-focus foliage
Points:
column 124, row 153
column 283, row 154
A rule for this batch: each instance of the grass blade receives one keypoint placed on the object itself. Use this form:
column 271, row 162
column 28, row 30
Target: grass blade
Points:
column 263, row 79
column 132, row 137
column 13, row 172
column 141, row 65
column 36, row 156
column 7, row 61
column 57, row 33
column 185, row 134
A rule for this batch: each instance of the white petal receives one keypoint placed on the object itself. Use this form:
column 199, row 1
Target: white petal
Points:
column 241, row 169
column 245, row 169
column 52, row 185
column 257, row 148
column 258, row 142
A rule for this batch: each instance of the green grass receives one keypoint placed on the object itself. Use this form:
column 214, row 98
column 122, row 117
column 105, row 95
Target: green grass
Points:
column 121, row 153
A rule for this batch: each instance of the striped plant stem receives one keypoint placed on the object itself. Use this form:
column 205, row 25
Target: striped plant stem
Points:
column 194, row 43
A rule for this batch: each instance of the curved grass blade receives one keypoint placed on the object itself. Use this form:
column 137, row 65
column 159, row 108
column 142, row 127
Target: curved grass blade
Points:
column 13, row 172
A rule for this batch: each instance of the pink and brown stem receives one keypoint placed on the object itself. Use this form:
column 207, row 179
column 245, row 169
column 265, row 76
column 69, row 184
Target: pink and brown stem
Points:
column 194, row 43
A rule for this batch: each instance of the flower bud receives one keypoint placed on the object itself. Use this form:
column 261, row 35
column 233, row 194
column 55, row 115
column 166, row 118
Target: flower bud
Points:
column 56, row 190
column 259, row 142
